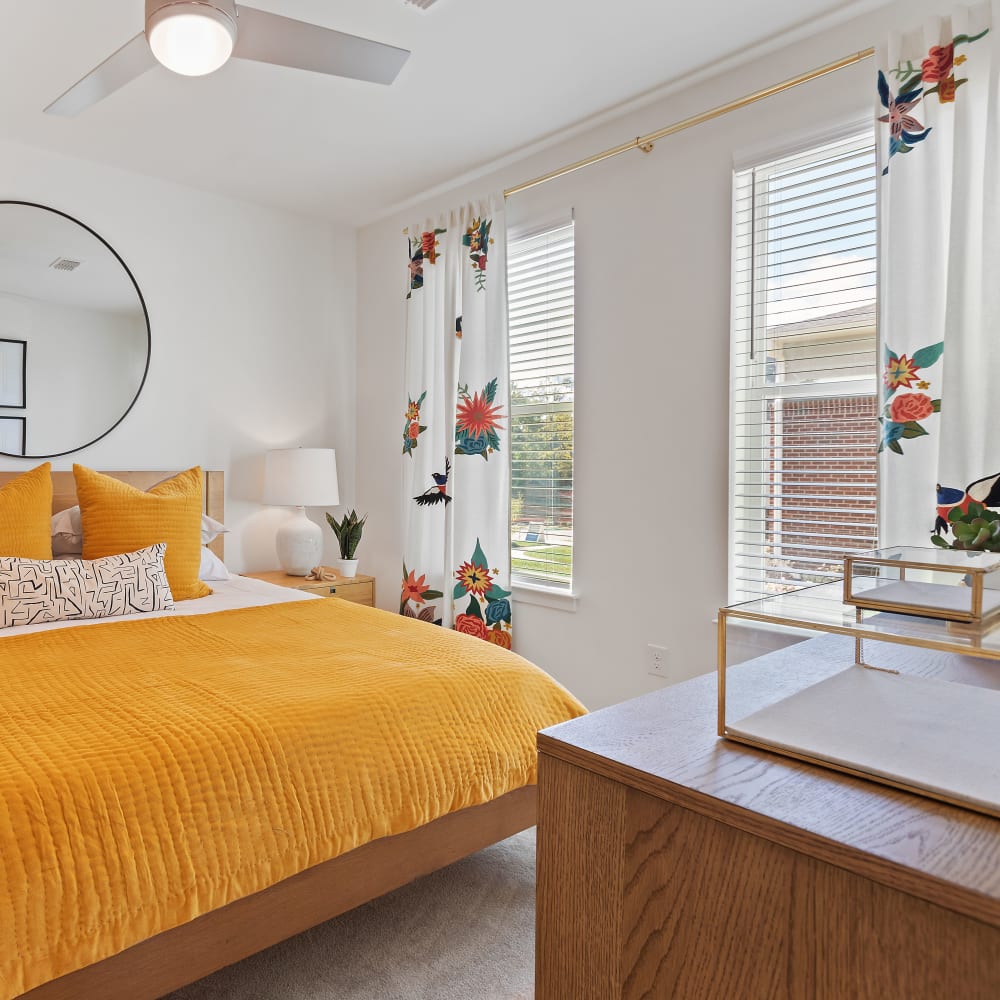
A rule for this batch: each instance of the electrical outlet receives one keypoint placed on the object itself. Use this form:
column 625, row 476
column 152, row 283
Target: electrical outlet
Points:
column 656, row 660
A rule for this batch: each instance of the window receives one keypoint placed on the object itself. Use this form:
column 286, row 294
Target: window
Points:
column 540, row 296
column 804, row 402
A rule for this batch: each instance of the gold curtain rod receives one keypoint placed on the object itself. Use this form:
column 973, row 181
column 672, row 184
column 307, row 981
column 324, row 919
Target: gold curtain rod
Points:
column 645, row 142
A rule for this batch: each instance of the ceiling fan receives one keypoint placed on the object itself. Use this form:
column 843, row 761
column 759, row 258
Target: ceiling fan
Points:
column 195, row 37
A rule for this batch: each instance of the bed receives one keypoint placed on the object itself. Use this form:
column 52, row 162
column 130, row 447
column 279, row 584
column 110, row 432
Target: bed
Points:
column 208, row 936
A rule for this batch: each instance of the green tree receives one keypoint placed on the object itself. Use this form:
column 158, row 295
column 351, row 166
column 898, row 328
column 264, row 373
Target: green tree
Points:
column 542, row 450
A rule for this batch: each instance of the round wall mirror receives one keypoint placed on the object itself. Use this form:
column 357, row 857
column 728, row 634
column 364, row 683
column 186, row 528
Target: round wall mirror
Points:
column 74, row 334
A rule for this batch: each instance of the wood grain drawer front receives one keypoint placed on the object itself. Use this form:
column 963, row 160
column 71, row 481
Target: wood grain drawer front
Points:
column 359, row 589
column 359, row 593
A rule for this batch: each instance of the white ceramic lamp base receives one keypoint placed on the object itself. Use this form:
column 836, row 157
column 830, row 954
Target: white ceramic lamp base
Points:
column 299, row 542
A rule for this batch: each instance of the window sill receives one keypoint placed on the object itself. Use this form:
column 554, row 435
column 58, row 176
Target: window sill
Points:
column 545, row 597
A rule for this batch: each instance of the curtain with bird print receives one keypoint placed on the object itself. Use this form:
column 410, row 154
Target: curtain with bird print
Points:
column 938, row 128
column 455, row 446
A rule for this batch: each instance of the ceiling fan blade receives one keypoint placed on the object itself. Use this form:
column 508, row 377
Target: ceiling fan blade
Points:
column 283, row 41
column 130, row 61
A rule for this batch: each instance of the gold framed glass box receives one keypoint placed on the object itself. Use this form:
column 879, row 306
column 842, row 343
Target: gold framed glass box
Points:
column 958, row 586
column 905, row 700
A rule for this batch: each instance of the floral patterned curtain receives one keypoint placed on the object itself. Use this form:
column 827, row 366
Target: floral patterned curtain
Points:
column 455, row 455
column 939, row 251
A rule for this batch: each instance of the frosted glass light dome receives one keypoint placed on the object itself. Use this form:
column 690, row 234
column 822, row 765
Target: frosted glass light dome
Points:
column 192, row 39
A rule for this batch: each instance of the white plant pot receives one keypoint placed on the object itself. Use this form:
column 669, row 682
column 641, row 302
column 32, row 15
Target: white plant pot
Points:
column 346, row 567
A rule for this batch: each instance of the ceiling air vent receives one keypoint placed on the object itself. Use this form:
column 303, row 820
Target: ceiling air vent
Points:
column 421, row 4
column 65, row 264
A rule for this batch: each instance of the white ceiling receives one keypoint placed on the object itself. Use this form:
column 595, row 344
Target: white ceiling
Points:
column 486, row 77
column 31, row 239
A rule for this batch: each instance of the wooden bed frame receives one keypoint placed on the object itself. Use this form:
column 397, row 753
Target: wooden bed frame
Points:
column 216, row 939
column 179, row 956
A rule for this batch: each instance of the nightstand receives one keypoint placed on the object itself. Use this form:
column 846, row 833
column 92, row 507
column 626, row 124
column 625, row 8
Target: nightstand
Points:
column 360, row 589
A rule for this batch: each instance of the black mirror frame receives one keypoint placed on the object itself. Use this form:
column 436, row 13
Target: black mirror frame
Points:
column 145, row 314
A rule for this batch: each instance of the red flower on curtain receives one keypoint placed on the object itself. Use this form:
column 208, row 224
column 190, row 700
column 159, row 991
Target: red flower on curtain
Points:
column 413, row 588
column 476, row 582
column 477, row 416
column 423, row 249
column 471, row 625
column 477, row 239
column 938, row 64
column 901, row 415
column 938, row 68
column 910, row 406
column 477, row 420
column 429, row 245
column 935, row 76
column 412, row 427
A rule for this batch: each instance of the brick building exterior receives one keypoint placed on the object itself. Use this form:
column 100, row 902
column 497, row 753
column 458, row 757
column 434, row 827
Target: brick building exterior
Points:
column 822, row 487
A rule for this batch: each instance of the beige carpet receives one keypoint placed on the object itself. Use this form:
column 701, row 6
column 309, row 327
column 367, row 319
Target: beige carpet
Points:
column 463, row 933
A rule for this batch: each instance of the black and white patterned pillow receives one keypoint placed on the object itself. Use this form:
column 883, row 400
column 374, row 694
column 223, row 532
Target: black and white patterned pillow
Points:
column 33, row 591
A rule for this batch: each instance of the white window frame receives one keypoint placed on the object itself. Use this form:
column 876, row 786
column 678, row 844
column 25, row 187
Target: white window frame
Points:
column 749, row 174
column 538, row 589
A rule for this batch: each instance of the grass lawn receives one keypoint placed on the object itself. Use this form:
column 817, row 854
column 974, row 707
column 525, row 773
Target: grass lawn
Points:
column 540, row 557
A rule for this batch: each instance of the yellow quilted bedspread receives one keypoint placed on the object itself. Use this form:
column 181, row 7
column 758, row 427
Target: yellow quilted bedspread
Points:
column 153, row 770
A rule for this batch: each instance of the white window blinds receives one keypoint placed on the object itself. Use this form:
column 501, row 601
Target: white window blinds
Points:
column 540, row 294
column 804, row 427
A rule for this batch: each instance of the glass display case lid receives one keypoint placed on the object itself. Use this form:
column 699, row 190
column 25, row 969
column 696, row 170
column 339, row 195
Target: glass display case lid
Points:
column 822, row 609
column 932, row 558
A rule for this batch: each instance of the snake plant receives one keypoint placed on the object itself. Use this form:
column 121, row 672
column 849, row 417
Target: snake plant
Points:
column 348, row 532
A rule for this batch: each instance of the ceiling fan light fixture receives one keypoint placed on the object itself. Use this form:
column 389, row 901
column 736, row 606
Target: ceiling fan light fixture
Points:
column 191, row 37
column 195, row 37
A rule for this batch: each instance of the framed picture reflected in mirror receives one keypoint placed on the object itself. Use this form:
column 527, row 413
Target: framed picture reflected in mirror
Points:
column 13, row 431
column 13, row 372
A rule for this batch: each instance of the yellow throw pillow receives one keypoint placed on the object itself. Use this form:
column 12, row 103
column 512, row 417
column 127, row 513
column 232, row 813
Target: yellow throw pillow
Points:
column 26, row 514
column 119, row 518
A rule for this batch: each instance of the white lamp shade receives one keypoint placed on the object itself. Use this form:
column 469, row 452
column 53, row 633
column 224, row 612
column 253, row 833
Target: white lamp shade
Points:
column 301, row 477
column 191, row 38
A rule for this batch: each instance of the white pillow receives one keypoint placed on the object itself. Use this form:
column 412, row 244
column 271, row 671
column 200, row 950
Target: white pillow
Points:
column 212, row 567
column 33, row 591
column 67, row 532
column 211, row 529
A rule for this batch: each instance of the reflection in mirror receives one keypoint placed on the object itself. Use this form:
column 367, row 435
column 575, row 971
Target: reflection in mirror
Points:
column 69, row 299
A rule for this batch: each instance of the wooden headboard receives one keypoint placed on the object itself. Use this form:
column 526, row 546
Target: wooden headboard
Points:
column 64, row 492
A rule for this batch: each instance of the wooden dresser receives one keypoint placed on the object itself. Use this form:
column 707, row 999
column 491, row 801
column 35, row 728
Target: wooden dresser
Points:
column 672, row 864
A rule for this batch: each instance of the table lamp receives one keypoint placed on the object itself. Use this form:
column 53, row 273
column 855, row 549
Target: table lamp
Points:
column 300, row 478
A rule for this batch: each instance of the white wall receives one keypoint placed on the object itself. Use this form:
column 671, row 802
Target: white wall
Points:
column 652, row 335
column 252, row 318
column 95, row 358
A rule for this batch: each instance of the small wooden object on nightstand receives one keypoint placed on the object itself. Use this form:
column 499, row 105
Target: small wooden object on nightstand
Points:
column 359, row 589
